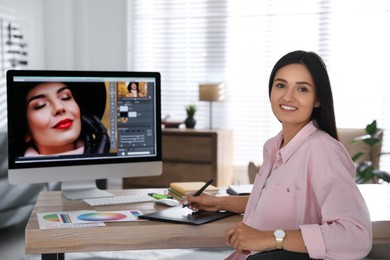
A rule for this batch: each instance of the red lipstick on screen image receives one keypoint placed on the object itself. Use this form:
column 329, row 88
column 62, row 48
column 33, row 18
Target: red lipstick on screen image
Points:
column 64, row 124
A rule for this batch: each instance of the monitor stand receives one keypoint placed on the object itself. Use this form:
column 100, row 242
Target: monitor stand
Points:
column 84, row 189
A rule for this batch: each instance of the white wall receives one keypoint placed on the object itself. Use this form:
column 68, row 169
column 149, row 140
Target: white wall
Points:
column 86, row 34
column 74, row 34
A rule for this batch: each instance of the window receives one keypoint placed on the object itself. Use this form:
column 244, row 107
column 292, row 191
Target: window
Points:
column 13, row 54
column 238, row 42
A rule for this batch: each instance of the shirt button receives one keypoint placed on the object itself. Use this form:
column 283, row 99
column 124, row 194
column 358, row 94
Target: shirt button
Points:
column 275, row 167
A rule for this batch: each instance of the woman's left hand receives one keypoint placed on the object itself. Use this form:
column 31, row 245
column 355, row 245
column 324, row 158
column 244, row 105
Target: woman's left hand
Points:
column 244, row 239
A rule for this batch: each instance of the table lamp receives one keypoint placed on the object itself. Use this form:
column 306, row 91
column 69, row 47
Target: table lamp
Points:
column 211, row 92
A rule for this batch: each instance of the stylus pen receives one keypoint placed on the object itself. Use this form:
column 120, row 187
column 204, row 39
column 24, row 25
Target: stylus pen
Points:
column 185, row 204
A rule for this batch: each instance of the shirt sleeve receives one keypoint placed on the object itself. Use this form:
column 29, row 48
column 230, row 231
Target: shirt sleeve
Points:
column 345, row 230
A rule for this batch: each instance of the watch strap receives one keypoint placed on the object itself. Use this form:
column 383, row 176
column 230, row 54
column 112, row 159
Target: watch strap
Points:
column 279, row 243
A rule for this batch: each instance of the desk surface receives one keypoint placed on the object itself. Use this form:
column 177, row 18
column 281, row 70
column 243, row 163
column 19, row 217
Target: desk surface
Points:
column 118, row 235
column 157, row 235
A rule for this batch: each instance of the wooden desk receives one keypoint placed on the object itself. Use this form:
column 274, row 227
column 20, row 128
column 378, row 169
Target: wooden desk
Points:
column 159, row 235
column 119, row 235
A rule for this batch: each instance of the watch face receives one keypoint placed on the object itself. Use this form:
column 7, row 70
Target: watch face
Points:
column 279, row 233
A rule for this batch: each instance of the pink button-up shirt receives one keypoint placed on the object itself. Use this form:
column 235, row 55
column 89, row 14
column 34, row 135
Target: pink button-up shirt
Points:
column 309, row 185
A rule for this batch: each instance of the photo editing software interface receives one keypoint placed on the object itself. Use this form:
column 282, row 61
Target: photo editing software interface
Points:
column 127, row 112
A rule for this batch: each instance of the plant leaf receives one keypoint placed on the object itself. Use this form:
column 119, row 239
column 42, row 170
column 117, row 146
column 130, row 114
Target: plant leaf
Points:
column 371, row 128
column 372, row 141
column 364, row 172
column 382, row 175
column 357, row 156
column 359, row 180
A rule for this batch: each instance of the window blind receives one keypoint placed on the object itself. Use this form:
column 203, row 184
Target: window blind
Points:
column 13, row 54
column 238, row 42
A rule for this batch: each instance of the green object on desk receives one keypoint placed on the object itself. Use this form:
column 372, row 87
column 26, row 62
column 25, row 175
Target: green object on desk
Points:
column 160, row 196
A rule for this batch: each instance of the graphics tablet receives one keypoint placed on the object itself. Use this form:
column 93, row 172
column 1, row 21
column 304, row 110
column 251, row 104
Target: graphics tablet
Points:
column 186, row 216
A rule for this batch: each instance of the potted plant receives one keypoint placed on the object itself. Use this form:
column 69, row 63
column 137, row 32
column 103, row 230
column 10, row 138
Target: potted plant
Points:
column 190, row 120
column 365, row 171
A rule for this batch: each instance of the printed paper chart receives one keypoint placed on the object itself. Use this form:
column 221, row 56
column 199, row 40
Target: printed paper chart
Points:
column 110, row 216
column 51, row 217
column 69, row 218
column 102, row 216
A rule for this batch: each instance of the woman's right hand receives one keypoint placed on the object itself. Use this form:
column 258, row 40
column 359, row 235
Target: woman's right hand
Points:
column 204, row 201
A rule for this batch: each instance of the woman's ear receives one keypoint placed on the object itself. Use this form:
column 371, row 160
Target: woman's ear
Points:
column 317, row 103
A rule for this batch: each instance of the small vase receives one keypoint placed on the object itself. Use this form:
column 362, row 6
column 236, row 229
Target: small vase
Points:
column 190, row 122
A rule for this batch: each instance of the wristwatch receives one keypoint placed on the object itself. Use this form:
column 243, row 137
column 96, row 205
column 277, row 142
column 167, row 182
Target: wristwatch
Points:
column 279, row 235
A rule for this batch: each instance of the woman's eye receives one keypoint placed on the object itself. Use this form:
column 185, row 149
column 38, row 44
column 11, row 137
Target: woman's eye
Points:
column 39, row 105
column 280, row 85
column 65, row 97
column 302, row 89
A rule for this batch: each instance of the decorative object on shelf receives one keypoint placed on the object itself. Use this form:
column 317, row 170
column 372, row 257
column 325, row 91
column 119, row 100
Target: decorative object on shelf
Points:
column 190, row 121
column 365, row 171
column 170, row 123
column 211, row 92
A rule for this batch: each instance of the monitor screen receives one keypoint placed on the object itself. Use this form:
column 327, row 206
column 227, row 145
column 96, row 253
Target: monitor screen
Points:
column 79, row 126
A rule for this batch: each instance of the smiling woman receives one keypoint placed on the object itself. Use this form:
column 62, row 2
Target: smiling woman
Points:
column 293, row 99
column 57, row 119
column 305, row 171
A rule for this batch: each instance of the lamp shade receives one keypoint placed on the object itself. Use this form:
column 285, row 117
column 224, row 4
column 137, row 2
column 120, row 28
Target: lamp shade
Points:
column 211, row 91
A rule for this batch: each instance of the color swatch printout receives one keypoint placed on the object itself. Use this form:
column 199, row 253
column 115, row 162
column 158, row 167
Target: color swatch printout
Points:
column 84, row 218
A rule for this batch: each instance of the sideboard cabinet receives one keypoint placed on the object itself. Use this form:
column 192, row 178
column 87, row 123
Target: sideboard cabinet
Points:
column 192, row 155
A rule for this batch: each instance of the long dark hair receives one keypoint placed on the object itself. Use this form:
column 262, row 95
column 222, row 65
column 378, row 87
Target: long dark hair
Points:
column 323, row 115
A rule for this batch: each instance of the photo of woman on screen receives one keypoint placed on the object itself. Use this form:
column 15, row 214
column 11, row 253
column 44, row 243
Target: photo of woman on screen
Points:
column 133, row 89
column 59, row 118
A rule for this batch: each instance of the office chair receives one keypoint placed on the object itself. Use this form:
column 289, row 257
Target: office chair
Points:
column 279, row 255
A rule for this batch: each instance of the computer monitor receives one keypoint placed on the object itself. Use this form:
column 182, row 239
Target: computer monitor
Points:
column 79, row 126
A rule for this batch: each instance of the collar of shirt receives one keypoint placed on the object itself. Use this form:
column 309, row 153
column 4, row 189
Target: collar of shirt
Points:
column 286, row 152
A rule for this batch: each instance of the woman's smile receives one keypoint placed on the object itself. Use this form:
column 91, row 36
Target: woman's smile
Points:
column 289, row 108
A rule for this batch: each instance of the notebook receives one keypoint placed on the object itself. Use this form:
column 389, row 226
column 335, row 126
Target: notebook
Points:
column 186, row 216
column 243, row 189
column 185, row 187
